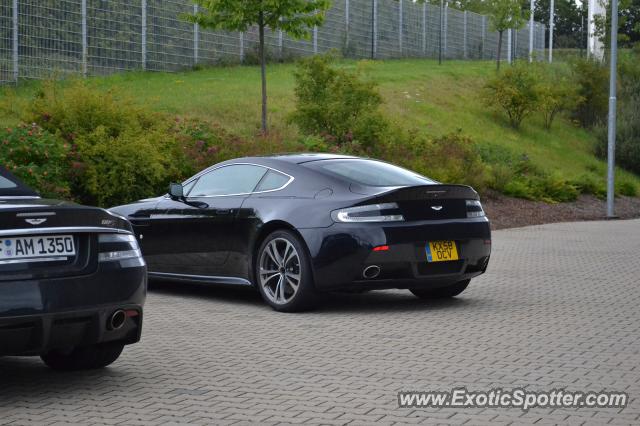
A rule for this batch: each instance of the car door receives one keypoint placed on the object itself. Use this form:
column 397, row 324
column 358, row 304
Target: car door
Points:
column 194, row 236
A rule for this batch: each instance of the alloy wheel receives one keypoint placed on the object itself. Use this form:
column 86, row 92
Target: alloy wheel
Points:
column 280, row 272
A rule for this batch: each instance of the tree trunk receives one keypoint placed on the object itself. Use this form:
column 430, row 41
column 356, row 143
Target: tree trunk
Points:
column 263, row 71
column 499, row 49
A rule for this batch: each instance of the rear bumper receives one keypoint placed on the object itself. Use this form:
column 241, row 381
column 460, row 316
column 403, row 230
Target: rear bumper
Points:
column 39, row 315
column 341, row 252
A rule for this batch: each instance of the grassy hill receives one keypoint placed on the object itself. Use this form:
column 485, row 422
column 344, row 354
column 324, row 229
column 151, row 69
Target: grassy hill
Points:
column 418, row 94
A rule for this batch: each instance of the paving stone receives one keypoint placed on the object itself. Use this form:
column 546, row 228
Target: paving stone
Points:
column 558, row 308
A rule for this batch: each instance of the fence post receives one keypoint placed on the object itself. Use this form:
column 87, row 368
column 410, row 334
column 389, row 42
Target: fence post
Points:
column 464, row 37
column 196, row 36
column 446, row 24
column 315, row 40
column 400, row 26
column 280, row 43
column 509, row 45
column 241, row 47
column 374, row 30
column 484, row 34
column 346, row 23
column 144, row 34
column 83, row 7
column 15, row 41
column 532, row 8
column 424, row 29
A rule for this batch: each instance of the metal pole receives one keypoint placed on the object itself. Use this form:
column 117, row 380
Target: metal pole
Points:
column 611, row 158
column 424, row 29
column 440, row 35
column 83, row 7
column 509, row 45
column 15, row 41
column 346, row 22
column 242, row 47
column 374, row 29
column 280, row 43
column 533, row 2
column 196, row 36
column 400, row 26
column 144, row 34
column 464, row 37
column 551, row 12
column 446, row 25
column 484, row 34
column 315, row 40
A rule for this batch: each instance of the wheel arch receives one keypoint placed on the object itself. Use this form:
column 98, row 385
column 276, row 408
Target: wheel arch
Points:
column 263, row 233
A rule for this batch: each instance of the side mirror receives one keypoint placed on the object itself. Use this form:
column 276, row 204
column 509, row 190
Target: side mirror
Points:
column 176, row 191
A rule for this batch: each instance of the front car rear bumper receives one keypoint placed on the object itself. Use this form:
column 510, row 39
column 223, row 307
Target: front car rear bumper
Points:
column 39, row 315
column 341, row 252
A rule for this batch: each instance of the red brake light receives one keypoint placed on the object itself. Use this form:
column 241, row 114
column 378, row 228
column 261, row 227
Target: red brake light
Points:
column 381, row 248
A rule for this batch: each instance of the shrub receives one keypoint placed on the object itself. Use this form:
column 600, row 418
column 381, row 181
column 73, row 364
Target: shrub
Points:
column 590, row 184
column 556, row 93
column 37, row 157
column 592, row 80
column 628, row 119
column 627, row 188
column 452, row 158
column 119, row 151
column 514, row 90
column 337, row 104
column 550, row 188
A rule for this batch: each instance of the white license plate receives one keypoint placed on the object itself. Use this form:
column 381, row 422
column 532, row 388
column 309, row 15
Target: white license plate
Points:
column 36, row 249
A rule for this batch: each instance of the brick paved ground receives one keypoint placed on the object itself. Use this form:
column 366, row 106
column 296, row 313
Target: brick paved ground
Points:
column 559, row 307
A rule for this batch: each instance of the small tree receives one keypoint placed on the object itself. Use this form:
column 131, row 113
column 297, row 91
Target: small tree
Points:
column 294, row 17
column 515, row 91
column 505, row 15
column 556, row 93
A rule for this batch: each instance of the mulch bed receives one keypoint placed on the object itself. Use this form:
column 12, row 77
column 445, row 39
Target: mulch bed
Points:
column 507, row 212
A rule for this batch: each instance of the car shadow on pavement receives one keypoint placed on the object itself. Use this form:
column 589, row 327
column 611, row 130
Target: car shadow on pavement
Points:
column 373, row 301
column 231, row 294
column 24, row 374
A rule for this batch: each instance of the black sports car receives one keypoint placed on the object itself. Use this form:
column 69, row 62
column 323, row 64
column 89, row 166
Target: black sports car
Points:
column 293, row 225
column 72, row 280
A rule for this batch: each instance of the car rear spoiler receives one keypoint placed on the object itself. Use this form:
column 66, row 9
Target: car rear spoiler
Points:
column 427, row 192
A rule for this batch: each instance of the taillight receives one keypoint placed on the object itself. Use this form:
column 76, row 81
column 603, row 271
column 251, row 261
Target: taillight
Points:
column 386, row 212
column 474, row 209
column 114, row 247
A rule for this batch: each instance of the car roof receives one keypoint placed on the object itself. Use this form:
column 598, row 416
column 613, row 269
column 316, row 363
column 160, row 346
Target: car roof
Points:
column 305, row 157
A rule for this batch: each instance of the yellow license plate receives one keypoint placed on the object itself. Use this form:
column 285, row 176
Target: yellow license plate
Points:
column 441, row 251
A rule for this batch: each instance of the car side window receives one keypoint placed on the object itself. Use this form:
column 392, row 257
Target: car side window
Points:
column 228, row 180
column 273, row 180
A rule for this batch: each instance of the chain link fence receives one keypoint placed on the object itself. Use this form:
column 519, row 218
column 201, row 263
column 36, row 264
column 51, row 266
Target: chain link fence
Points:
column 51, row 38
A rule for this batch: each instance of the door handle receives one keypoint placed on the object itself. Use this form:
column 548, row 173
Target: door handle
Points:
column 223, row 211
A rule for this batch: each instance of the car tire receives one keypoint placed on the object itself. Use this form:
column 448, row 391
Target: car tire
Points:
column 286, row 286
column 443, row 292
column 84, row 358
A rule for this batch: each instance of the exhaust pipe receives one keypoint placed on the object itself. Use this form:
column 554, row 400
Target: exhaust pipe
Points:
column 371, row 272
column 117, row 320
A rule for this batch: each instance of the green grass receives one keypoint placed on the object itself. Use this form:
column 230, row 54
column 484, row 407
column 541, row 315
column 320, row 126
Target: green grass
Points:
column 418, row 94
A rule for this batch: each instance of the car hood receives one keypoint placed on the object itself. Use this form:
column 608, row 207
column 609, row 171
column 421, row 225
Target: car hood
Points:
column 37, row 213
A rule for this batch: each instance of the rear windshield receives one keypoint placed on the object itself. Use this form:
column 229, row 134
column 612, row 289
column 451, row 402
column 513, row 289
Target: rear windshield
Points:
column 10, row 186
column 370, row 172
column 6, row 183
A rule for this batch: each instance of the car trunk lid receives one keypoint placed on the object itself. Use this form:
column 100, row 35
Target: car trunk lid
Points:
column 429, row 202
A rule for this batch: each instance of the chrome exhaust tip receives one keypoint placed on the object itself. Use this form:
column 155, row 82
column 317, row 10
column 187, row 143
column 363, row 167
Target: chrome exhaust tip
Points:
column 117, row 320
column 371, row 272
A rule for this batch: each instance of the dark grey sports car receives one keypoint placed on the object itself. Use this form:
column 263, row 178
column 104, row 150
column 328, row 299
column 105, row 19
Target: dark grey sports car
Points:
column 72, row 280
column 294, row 225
